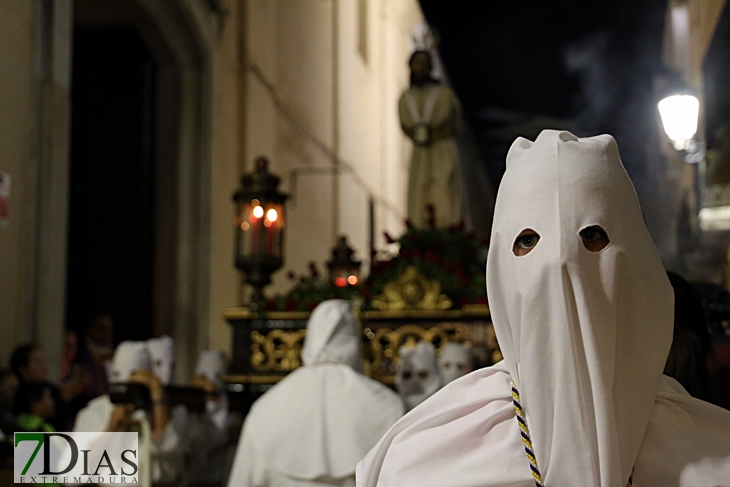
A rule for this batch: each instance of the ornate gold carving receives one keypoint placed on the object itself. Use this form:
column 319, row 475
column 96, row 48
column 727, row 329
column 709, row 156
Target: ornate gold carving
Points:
column 384, row 344
column 244, row 313
column 410, row 291
column 277, row 350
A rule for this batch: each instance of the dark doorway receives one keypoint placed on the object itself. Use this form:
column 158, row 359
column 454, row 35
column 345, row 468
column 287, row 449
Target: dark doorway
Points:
column 112, row 200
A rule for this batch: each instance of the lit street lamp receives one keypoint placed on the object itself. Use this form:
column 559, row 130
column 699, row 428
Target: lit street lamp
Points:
column 680, row 110
column 679, row 116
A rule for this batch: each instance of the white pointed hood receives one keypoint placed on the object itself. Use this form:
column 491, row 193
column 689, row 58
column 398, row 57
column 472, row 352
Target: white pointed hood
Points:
column 417, row 375
column 333, row 335
column 162, row 352
column 129, row 357
column 584, row 335
column 455, row 361
column 320, row 420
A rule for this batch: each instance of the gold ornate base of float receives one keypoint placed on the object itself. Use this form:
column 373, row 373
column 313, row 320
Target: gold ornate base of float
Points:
column 268, row 346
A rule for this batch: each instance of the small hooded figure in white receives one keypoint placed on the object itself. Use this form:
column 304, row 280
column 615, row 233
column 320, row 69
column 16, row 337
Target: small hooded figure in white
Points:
column 417, row 375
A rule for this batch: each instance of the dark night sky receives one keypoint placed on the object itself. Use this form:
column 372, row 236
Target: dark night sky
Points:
column 520, row 66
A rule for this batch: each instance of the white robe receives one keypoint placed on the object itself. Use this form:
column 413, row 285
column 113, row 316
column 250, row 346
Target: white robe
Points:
column 313, row 427
column 208, row 431
column 585, row 335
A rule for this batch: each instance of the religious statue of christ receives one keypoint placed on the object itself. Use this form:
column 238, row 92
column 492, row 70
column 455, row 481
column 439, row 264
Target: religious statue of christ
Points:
column 429, row 114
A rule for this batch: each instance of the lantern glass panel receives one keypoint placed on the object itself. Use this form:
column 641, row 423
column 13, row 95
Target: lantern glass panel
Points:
column 342, row 276
column 260, row 228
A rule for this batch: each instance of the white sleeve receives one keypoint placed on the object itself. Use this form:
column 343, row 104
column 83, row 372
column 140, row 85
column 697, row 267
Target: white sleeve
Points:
column 91, row 418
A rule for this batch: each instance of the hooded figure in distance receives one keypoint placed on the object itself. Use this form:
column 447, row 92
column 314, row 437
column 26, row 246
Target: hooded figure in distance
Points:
column 582, row 308
column 417, row 375
column 314, row 426
column 132, row 363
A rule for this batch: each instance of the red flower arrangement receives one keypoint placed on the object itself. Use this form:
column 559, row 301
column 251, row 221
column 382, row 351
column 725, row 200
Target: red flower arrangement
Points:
column 457, row 260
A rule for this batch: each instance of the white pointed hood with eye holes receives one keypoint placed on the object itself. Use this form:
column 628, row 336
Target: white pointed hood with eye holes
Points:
column 417, row 375
column 162, row 352
column 584, row 335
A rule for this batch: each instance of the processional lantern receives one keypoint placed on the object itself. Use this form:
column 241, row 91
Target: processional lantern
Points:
column 259, row 224
column 344, row 268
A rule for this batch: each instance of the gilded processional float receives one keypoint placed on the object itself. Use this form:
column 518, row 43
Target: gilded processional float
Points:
column 433, row 289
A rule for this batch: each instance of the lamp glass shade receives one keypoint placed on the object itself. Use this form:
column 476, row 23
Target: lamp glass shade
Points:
column 343, row 267
column 680, row 114
column 260, row 226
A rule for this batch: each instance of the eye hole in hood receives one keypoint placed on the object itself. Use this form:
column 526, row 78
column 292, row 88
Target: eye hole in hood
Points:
column 525, row 242
column 594, row 238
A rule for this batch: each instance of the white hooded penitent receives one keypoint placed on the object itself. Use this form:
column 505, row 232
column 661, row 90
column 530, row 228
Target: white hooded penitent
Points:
column 585, row 335
column 316, row 424
column 212, row 365
column 417, row 374
column 455, row 361
column 166, row 451
column 129, row 357
column 162, row 352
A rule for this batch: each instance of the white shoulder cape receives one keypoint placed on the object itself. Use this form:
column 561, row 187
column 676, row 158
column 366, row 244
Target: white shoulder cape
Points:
column 466, row 435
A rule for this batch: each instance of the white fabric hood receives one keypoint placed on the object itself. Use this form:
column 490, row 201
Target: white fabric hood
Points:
column 417, row 375
column 212, row 365
column 333, row 335
column 129, row 357
column 162, row 351
column 455, row 361
column 321, row 419
column 585, row 336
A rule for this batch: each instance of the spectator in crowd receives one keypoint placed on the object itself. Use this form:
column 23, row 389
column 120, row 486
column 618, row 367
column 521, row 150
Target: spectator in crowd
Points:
column 95, row 353
column 75, row 379
column 29, row 364
column 8, row 389
column 35, row 406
